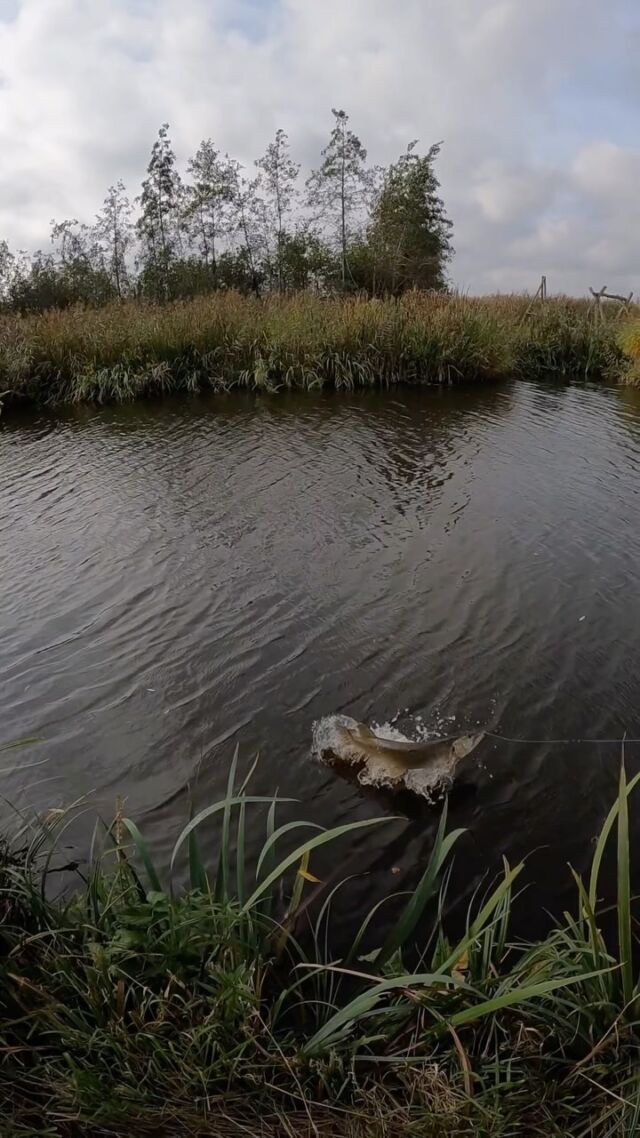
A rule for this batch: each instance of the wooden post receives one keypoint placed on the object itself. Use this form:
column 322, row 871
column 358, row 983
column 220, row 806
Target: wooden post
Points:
column 602, row 294
column 597, row 303
column 541, row 292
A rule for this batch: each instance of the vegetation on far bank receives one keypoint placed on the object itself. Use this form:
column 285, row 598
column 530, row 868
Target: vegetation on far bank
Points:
column 214, row 224
column 132, row 1006
column 225, row 341
column 217, row 277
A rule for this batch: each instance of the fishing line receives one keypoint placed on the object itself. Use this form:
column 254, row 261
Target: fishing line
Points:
column 508, row 739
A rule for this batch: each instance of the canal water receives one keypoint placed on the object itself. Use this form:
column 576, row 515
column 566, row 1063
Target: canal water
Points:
column 178, row 578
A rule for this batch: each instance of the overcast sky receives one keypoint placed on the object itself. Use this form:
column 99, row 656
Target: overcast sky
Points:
column 537, row 101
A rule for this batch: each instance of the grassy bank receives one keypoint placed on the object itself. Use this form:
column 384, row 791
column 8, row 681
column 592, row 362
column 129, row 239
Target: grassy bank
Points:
column 223, row 341
column 135, row 1007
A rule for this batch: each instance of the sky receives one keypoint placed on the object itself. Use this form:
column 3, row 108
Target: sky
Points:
column 537, row 103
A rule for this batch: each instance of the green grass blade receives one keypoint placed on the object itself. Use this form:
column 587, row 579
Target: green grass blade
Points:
column 249, row 775
column 241, row 875
column 516, row 996
column 624, row 892
column 275, row 835
column 60, row 829
column 598, row 953
column 422, row 894
column 602, row 841
column 197, row 872
column 355, row 946
column 363, row 1004
column 222, row 880
column 483, row 917
column 145, row 856
column 313, row 843
column 15, row 743
column 266, row 905
column 209, row 812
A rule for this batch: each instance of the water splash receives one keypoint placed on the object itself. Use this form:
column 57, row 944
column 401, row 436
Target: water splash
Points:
column 431, row 783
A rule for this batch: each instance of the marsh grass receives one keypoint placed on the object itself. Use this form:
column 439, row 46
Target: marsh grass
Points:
column 133, row 1006
column 224, row 341
column 629, row 342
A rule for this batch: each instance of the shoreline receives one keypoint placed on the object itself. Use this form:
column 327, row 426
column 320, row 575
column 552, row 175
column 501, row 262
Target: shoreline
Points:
column 227, row 342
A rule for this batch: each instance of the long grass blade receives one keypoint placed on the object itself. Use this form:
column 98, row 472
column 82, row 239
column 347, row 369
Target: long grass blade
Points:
column 210, row 811
column 598, row 953
column 408, row 920
column 145, row 854
column 197, row 872
column 312, row 844
column 483, row 917
column 222, row 880
column 266, row 903
column 241, row 875
column 624, row 892
column 602, row 841
column 16, row 743
column 275, row 836
column 344, row 1019
column 516, row 996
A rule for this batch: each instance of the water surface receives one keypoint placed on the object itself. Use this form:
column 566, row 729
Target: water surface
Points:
column 179, row 577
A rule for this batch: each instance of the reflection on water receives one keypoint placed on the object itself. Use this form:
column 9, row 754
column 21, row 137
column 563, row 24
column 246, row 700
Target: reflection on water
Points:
column 176, row 577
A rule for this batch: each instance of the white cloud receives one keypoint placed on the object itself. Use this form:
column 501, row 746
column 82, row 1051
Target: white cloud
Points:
column 531, row 186
column 607, row 171
column 508, row 193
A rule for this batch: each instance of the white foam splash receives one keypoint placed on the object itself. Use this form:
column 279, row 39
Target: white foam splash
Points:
column 429, row 783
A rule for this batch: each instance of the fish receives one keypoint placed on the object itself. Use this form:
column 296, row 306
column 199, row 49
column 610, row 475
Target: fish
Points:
column 358, row 743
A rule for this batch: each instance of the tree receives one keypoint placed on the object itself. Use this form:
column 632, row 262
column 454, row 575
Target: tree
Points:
column 72, row 242
column 306, row 261
column 7, row 270
column 409, row 237
column 277, row 181
column 114, row 231
column 339, row 188
column 207, row 200
column 77, row 269
column 249, row 222
column 160, row 213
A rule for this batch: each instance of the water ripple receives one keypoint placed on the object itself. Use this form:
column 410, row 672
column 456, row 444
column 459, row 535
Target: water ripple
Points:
column 178, row 577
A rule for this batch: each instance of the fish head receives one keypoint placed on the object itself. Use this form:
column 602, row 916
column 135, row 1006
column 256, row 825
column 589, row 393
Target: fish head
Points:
column 466, row 744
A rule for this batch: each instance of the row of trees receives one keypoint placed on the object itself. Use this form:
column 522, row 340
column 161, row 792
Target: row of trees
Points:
column 351, row 226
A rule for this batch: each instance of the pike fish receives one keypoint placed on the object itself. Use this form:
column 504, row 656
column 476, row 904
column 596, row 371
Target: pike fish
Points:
column 360, row 743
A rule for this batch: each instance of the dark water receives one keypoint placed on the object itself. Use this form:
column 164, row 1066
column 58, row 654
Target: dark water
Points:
column 179, row 577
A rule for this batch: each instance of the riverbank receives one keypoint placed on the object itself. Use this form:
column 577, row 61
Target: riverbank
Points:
column 133, row 1006
column 224, row 341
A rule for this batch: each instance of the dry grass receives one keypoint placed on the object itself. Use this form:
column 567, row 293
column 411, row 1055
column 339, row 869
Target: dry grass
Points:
column 225, row 340
column 629, row 340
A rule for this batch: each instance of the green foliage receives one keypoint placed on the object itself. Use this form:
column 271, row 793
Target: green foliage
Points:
column 407, row 243
column 114, row 232
column 208, row 203
column 223, row 229
column 158, row 226
column 277, row 180
column 134, row 1007
column 44, row 283
column 629, row 344
column 129, row 350
column 337, row 191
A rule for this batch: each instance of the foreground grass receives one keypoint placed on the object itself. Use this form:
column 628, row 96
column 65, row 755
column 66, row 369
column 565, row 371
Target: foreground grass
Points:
column 225, row 340
column 135, row 1007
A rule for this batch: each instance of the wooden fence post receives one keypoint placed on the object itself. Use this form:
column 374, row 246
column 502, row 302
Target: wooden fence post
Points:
column 624, row 302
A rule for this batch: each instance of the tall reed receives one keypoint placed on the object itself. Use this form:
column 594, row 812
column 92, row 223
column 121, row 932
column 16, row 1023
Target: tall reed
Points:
column 222, row 341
